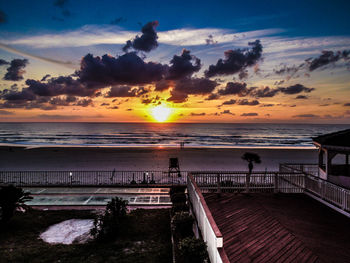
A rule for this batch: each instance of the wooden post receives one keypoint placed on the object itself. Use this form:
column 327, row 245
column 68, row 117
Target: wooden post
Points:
column 218, row 185
column 247, row 182
column 276, row 184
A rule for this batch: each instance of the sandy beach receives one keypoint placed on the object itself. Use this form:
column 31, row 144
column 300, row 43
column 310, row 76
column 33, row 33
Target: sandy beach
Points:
column 145, row 158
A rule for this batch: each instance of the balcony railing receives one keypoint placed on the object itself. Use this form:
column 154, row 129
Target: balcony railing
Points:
column 256, row 182
column 317, row 187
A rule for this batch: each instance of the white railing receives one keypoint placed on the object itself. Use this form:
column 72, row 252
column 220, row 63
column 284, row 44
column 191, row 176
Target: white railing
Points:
column 209, row 230
column 316, row 187
column 256, row 182
column 308, row 168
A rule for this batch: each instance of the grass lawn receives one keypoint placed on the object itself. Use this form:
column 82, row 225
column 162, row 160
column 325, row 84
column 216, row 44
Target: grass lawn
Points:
column 145, row 238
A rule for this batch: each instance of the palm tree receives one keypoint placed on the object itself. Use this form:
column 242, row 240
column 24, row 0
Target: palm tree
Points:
column 12, row 198
column 250, row 158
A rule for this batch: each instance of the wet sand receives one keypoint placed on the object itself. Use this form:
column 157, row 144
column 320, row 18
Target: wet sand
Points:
column 145, row 158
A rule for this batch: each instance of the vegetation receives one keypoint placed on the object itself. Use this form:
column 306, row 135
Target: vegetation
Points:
column 179, row 207
column 182, row 223
column 251, row 158
column 145, row 237
column 178, row 198
column 107, row 226
column 193, row 250
column 12, row 198
column 177, row 189
column 187, row 247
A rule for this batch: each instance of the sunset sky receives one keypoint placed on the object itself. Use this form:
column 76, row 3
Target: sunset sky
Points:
column 181, row 61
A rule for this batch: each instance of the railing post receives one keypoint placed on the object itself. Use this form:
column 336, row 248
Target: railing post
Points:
column 343, row 199
column 275, row 190
column 218, row 184
column 322, row 190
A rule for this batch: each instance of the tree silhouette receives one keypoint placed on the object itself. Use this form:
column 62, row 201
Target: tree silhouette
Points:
column 11, row 198
column 250, row 158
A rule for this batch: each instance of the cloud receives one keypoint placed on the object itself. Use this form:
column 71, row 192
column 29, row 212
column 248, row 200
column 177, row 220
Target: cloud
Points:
column 183, row 66
column 291, row 70
column 3, row 17
column 213, row 96
column 147, row 41
column 229, row 102
column 326, row 58
column 301, row 97
column 125, row 91
column 269, row 92
column 16, row 70
column 63, row 85
column 191, row 86
column 113, row 107
column 198, row 114
column 110, row 34
column 127, row 69
column 347, row 104
column 25, row 54
column 45, row 77
column 210, row 40
column 306, row 116
column 118, row 20
column 235, row 88
column 153, row 100
column 5, row 112
column 294, row 89
column 249, row 103
column 249, row 114
column 83, row 102
column 3, row 62
column 265, row 92
column 267, row 105
column 163, row 85
column 227, row 112
column 236, row 60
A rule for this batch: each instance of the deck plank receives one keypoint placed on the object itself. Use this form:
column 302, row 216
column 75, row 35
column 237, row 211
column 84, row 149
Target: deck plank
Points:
column 260, row 228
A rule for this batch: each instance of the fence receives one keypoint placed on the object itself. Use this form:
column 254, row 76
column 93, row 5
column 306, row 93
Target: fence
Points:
column 315, row 186
column 311, row 169
column 91, row 178
column 209, row 230
column 256, row 182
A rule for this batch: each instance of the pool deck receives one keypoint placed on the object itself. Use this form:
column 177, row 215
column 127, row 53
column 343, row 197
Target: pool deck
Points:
column 96, row 196
column 279, row 228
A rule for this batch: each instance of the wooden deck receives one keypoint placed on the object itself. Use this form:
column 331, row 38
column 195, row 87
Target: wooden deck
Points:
column 280, row 228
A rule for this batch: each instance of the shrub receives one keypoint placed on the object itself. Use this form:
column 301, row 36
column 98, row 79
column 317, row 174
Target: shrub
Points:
column 182, row 223
column 177, row 189
column 193, row 250
column 11, row 198
column 179, row 207
column 107, row 226
column 178, row 198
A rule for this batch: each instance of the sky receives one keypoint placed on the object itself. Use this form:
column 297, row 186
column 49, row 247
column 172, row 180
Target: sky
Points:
column 175, row 61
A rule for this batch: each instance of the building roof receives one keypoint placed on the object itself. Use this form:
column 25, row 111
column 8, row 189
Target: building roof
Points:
column 337, row 139
column 283, row 228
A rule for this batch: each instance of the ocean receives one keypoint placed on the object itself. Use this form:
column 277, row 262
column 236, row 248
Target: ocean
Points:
column 164, row 134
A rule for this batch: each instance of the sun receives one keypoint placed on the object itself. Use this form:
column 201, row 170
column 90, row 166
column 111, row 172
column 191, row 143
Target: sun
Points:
column 161, row 113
